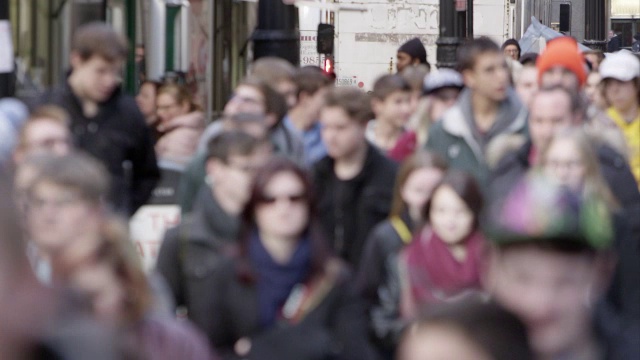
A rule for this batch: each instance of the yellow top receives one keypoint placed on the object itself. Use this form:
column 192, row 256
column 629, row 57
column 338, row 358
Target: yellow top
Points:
column 631, row 132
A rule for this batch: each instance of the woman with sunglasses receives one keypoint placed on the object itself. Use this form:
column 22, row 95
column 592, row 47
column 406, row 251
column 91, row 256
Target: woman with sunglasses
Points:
column 284, row 296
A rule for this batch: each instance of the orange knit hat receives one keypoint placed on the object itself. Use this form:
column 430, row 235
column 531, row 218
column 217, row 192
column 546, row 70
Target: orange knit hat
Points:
column 564, row 52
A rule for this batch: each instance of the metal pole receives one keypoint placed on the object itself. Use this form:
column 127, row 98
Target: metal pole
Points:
column 172, row 13
column 469, row 19
column 595, row 32
column 447, row 41
column 277, row 34
column 130, row 75
column 6, row 83
column 210, row 47
column 154, row 50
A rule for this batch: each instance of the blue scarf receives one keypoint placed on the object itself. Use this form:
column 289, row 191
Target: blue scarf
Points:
column 275, row 281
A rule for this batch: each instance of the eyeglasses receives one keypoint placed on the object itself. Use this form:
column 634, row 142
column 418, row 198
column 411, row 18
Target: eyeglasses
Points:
column 245, row 168
column 569, row 164
column 165, row 107
column 244, row 99
column 37, row 203
column 50, row 143
column 294, row 198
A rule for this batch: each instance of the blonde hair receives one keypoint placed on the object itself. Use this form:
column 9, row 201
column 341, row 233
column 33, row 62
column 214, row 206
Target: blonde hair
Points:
column 594, row 184
column 180, row 94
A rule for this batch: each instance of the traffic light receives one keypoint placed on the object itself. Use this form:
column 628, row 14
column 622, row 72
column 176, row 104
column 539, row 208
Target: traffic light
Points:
column 324, row 44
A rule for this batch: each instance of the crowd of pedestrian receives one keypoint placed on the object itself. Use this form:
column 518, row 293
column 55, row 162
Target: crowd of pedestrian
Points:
column 490, row 211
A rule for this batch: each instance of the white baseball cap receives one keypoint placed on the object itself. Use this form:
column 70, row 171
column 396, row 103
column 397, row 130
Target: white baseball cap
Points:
column 623, row 66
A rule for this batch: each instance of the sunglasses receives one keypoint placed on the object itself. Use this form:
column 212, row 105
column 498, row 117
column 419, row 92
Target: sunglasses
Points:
column 295, row 198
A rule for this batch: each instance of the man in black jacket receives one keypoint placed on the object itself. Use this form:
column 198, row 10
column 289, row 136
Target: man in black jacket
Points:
column 105, row 123
column 354, row 182
column 190, row 253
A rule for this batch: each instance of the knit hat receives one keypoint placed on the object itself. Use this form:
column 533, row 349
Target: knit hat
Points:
column 415, row 49
column 623, row 66
column 512, row 42
column 564, row 52
column 443, row 78
column 537, row 210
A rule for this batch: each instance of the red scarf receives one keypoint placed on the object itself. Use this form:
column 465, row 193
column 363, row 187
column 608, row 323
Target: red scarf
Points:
column 433, row 275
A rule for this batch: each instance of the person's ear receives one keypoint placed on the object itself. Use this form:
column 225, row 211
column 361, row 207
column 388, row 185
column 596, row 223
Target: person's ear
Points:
column 271, row 120
column 376, row 105
column 303, row 98
column 213, row 168
column 185, row 106
column 468, row 77
column 76, row 60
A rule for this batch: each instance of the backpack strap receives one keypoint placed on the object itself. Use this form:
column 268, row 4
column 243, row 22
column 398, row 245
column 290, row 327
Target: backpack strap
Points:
column 401, row 228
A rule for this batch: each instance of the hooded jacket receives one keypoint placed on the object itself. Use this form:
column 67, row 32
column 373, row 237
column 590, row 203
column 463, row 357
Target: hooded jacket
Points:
column 456, row 138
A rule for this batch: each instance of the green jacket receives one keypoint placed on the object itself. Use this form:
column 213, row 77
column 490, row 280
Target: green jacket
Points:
column 453, row 138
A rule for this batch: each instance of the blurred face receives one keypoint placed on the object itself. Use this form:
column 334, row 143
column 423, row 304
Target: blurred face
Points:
column 341, row 135
column 449, row 216
column 512, row 52
column 234, row 177
column 417, row 189
column 58, row 217
column 168, row 108
column 24, row 177
column 283, row 210
column 289, row 91
column 558, row 75
column 314, row 103
column 99, row 283
column 246, row 99
column 98, row 77
column 45, row 136
column 594, row 60
column 146, row 100
column 403, row 60
column 549, row 291
column 550, row 112
column 489, row 77
column 591, row 88
column 440, row 342
column 441, row 101
column 622, row 95
column 395, row 109
column 564, row 164
column 527, row 84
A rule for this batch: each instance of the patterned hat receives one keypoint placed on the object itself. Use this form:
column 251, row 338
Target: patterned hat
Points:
column 539, row 210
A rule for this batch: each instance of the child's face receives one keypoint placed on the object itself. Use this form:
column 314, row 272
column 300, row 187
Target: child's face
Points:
column 450, row 218
column 395, row 108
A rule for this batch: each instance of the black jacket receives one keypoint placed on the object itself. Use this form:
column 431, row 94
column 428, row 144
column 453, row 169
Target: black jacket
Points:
column 192, row 252
column 384, row 241
column 350, row 209
column 119, row 137
column 332, row 327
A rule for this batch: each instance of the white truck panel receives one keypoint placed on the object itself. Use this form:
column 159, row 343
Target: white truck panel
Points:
column 366, row 41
